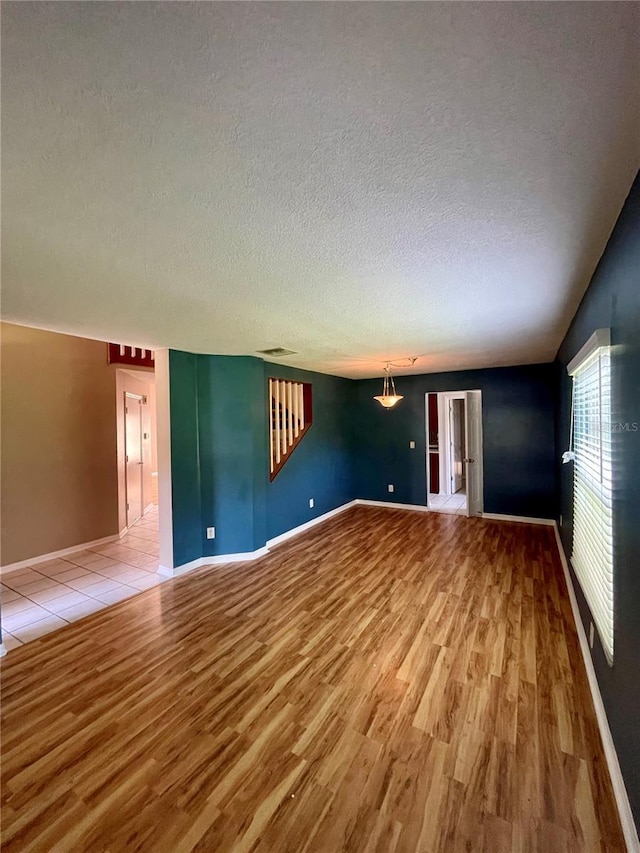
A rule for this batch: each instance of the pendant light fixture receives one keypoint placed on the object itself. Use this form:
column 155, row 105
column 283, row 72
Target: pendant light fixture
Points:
column 389, row 397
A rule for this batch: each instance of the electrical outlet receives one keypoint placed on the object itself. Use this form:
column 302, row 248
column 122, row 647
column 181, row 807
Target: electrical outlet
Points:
column 211, row 533
column 412, row 445
column 310, row 503
column 390, row 487
column 590, row 635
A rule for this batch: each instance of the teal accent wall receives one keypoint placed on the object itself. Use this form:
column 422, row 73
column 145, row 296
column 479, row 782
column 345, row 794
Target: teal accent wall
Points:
column 185, row 457
column 218, row 454
column 232, row 420
column 320, row 467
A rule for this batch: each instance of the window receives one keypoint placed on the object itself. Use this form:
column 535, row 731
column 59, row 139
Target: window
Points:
column 592, row 556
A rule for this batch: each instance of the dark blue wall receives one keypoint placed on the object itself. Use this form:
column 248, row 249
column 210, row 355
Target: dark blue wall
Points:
column 320, row 466
column 518, row 437
column 613, row 301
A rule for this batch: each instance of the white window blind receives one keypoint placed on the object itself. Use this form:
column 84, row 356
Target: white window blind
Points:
column 592, row 556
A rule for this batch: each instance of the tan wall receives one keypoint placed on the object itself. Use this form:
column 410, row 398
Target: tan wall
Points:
column 59, row 480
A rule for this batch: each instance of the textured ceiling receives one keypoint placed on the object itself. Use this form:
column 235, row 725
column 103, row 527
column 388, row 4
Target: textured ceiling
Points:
column 354, row 181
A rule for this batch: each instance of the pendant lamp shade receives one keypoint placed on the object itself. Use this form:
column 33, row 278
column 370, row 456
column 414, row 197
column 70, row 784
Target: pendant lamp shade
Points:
column 389, row 397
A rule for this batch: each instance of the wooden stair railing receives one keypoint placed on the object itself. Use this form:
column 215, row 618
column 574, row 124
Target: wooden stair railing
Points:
column 291, row 415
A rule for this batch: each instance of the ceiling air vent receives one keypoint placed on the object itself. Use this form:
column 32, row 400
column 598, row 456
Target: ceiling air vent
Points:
column 276, row 352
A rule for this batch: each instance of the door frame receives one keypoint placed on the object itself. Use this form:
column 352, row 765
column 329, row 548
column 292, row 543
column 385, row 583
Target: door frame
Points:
column 443, row 441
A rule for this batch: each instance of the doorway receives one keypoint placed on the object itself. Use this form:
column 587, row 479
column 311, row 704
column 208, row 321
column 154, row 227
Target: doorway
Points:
column 136, row 446
column 457, row 447
column 454, row 452
column 133, row 456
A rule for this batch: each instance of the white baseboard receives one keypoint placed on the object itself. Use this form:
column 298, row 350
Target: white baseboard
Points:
column 123, row 532
column 241, row 557
column 390, row 505
column 525, row 519
column 147, row 509
column 619, row 789
column 248, row 556
column 3, row 650
column 44, row 558
column 168, row 572
column 295, row 531
column 222, row 559
column 489, row 515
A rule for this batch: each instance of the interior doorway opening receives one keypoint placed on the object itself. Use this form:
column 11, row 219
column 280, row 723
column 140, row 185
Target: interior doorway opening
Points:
column 454, row 452
column 136, row 446
column 134, row 461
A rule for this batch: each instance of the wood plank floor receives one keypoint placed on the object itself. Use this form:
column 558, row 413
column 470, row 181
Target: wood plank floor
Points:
column 389, row 681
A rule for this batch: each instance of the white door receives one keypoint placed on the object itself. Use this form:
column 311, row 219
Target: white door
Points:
column 456, row 444
column 473, row 459
column 133, row 456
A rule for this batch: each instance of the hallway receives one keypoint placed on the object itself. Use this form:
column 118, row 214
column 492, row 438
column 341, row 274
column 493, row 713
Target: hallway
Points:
column 47, row 596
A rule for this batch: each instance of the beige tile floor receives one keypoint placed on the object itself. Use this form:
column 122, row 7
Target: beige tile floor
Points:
column 453, row 504
column 47, row 596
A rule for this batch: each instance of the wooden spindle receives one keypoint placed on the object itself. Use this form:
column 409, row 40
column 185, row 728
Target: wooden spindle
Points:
column 276, row 418
column 271, row 458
